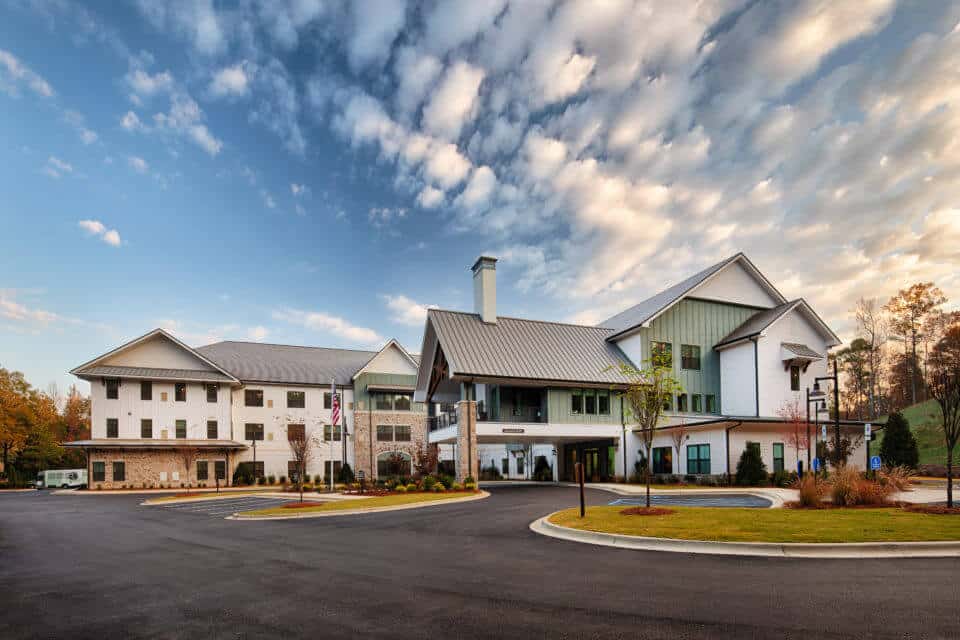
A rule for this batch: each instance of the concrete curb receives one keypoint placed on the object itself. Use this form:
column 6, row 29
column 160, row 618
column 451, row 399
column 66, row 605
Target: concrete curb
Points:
column 776, row 500
column 360, row 511
column 316, row 497
column 758, row 549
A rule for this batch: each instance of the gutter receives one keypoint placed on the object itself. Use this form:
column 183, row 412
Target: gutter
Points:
column 727, row 445
column 756, row 373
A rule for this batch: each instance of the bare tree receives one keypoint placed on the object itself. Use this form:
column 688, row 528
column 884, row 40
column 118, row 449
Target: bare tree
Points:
column 426, row 458
column 944, row 384
column 795, row 427
column 678, row 435
column 648, row 390
column 189, row 457
column 872, row 328
column 302, row 449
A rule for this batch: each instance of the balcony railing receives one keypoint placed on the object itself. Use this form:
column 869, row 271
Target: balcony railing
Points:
column 442, row 421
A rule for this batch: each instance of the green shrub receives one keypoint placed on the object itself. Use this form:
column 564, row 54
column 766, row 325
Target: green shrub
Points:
column 456, row 486
column 899, row 447
column 411, row 487
column 541, row 470
column 445, row 480
column 438, row 487
column 469, row 479
column 262, row 480
column 750, row 469
column 346, row 474
column 283, row 479
column 271, row 479
column 783, row 478
column 470, row 486
column 400, row 488
column 428, row 482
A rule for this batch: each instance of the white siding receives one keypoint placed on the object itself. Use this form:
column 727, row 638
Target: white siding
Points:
column 632, row 347
column 738, row 381
column 391, row 361
column 160, row 353
column 774, row 379
column 734, row 284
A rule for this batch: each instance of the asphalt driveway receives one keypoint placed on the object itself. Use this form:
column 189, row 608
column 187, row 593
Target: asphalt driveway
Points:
column 102, row 566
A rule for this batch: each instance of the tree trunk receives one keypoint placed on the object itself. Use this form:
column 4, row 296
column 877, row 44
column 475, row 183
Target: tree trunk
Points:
column 950, row 478
column 913, row 371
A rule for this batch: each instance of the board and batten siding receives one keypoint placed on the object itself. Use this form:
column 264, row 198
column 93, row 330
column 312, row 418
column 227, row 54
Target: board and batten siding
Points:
column 362, row 397
column 696, row 322
column 559, row 409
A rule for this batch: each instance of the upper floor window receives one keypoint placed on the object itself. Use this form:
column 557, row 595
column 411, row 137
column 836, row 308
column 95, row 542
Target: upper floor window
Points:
column 696, row 401
column 392, row 401
column 296, row 432
column 212, row 391
column 252, row 431
column 794, row 377
column 590, row 402
column 690, row 357
column 113, row 389
column 682, row 402
column 327, row 400
column 180, row 392
column 253, row 398
column 603, row 403
column 146, row 390
column 401, row 433
column 711, row 403
column 212, row 430
column 146, row 428
column 181, row 429
column 385, row 432
column 667, row 403
column 661, row 354
column 113, row 427
column 576, row 402
column 296, row 399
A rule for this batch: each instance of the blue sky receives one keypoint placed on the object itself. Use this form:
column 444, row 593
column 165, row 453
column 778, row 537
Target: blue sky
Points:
column 320, row 172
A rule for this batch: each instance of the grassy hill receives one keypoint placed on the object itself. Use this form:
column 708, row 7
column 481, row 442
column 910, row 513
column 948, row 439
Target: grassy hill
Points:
column 924, row 419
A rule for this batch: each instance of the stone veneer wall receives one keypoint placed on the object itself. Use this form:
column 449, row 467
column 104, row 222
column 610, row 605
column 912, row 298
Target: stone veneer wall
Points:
column 362, row 435
column 143, row 468
column 467, row 455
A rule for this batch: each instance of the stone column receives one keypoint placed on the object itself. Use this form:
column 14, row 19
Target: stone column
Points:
column 466, row 450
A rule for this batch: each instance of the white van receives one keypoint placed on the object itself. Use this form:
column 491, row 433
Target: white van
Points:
column 62, row 478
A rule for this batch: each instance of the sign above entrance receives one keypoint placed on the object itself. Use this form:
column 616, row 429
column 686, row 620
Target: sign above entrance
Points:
column 509, row 430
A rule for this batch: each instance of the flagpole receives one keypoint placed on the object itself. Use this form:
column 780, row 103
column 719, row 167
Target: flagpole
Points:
column 333, row 400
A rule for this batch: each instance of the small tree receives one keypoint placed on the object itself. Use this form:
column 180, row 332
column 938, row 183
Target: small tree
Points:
column 945, row 387
column 899, row 447
column 750, row 469
column 301, row 448
column 426, row 458
column 648, row 390
column 346, row 474
column 794, row 427
column 678, row 435
column 189, row 457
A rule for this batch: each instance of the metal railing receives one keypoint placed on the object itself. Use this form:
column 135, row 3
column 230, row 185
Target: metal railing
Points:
column 442, row 421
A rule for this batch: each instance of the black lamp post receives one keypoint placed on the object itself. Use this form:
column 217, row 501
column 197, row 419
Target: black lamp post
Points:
column 818, row 395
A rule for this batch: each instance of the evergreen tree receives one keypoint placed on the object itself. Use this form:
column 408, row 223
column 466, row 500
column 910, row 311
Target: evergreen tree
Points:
column 899, row 447
column 750, row 468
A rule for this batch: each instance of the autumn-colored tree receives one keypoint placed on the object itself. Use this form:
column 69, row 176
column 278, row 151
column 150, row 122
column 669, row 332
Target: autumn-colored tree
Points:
column 871, row 325
column 302, row 446
column 944, row 382
column 16, row 414
column 426, row 459
column 853, row 361
column 649, row 389
column 908, row 311
column 795, row 427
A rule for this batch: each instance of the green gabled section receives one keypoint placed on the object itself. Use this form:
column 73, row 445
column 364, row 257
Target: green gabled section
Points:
column 702, row 323
column 362, row 396
column 560, row 410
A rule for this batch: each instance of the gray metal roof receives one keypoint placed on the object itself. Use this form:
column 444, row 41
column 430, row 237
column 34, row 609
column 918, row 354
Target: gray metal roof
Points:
column 527, row 349
column 643, row 311
column 801, row 350
column 151, row 373
column 285, row 364
column 756, row 323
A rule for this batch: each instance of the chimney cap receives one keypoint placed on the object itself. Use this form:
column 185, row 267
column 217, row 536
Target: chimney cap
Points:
column 484, row 261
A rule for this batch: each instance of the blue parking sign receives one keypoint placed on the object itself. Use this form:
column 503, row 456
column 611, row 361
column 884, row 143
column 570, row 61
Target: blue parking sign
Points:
column 874, row 463
column 816, row 464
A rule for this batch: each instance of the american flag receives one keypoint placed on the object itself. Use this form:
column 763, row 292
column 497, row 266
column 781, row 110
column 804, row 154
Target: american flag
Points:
column 335, row 409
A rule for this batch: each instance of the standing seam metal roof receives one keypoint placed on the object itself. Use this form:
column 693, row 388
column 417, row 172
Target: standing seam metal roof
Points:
column 757, row 323
column 530, row 349
column 285, row 364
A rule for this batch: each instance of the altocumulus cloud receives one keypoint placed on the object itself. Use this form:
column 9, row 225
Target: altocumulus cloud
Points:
column 99, row 230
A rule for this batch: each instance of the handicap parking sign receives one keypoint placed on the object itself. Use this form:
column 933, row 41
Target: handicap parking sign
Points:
column 816, row 464
column 874, row 463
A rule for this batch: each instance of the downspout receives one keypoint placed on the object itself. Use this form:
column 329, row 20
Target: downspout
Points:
column 756, row 377
column 623, row 426
column 727, row 436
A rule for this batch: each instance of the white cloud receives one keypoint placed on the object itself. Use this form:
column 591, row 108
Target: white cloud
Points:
column 327, row 323
column 407, row 311
column 268, row 200
column 130, row 121
column 185, row 118
column 416, row 72
column 430, row 197
column 382, row 216
column 18, row 312
column 145, row 85
column 453, row 103
column 13, row 73
column 56, row 167
column 138, row 164
column 299, row 189
column 376, row 24
column 88, row 136
column 98, row 229
column 230, row 81
column 198, row 21
column 202, row 136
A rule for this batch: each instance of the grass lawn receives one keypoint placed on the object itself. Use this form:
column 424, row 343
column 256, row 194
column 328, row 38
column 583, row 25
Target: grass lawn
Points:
column 392, row 500
column 924, row 419
column 769, row 525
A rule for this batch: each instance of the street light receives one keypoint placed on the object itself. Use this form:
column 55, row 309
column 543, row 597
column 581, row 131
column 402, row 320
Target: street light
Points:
column 818, row 395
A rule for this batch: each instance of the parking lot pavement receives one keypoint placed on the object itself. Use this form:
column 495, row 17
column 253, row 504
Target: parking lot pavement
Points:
column 703, row 500
column 225, row 506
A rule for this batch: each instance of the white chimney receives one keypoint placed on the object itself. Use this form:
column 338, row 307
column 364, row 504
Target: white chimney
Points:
column 485, row 288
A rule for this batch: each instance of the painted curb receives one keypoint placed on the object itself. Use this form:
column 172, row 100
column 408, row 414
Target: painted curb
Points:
column 357, row 512
column 948, row 549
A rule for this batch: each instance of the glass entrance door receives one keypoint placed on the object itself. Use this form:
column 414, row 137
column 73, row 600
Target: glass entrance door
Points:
column 591, row 465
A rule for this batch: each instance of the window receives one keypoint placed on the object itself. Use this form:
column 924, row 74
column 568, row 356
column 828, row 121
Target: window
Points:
column 253, row 431
column 146, row 428
column 576, row 402
column 661, row 354
column 99, row 471
column 201, row 470
column 667, row 403
column 590, row 402
column 663, row 460
column 113, row 426
column 212, row 430
column 520, row 466
column 220, row 469
column 334, row 432
column 603, row 403
column 382, row 402
column 296, row 432
column 777, row 456
column 794, row 377
column 401, row 402
column 755, row 447
column 401, row 433
column 385, row 432
column 711, row 403
column 253, row 397
column 293, row 471
column 392, row 401
column 505, row 466
column 113, row 389
column 337, row 465
column 698, row 458
column 296, row 399
column 212, row 391
column 181, row 428
column 146, row 390
column 180, row 392
column 697, row 402
column 119, row 472
column 690, row 357
column 682, row 402
column 327, row 400
column 393, row 463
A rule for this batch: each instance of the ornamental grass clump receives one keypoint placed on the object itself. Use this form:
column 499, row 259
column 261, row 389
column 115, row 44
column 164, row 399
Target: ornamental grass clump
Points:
column 900, row 478
column 848, row 488
column 810, row 489
column 400, row 488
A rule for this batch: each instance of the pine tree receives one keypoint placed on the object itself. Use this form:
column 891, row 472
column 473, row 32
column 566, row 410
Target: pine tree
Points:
column 750, row 469
column 899, row 447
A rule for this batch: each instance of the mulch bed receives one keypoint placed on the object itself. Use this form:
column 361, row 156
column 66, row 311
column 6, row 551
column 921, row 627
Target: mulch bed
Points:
column 933, row 509
column 830, row 505
column 646, row 511
column 300, row 505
